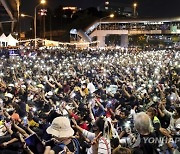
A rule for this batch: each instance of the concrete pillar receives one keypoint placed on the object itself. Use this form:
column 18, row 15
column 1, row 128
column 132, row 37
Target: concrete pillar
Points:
column 101, row 40
column 124, row 40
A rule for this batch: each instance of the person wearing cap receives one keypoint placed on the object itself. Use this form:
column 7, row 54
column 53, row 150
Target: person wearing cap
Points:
column 11, row 85
column 8, row 95
column 62, row 133
column 49, row 94
column 10, row 88
column 8, row 98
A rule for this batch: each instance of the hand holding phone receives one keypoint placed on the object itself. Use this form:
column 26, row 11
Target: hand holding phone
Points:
column 35, row 144
column 25, row 121
column 49, row 143
column 7, row 125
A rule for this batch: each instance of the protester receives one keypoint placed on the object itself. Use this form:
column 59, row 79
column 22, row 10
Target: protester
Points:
column 90, row 101
column 62, row 133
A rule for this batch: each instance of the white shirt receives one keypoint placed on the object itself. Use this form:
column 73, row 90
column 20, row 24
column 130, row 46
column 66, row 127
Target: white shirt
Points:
column 104, row 146
column 91, row 87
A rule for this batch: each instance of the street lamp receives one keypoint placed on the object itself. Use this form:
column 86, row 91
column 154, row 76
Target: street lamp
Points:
column 25, row 15
column 35, row 16
column 109, row 16
column 134, row 9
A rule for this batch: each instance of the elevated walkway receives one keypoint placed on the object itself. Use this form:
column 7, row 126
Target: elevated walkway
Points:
column 132, row 27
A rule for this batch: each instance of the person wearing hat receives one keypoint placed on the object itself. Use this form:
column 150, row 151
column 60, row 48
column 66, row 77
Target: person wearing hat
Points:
column 8, row 95
column 62, row 134
column 7, row 98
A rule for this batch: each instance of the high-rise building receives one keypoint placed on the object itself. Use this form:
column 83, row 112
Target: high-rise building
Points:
column 116, row 7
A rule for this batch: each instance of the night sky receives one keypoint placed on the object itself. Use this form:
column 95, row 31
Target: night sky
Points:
column 153, row 8
column 146, row 8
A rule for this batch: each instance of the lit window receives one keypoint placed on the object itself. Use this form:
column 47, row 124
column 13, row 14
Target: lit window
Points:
column 107, row 3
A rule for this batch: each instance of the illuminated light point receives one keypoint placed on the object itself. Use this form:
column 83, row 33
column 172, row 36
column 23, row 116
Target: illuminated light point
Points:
column 135, row 4
column 111, row 15
column 43, row 1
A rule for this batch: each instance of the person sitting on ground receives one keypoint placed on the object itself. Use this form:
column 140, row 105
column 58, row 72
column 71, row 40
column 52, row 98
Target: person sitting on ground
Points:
column 62, row 134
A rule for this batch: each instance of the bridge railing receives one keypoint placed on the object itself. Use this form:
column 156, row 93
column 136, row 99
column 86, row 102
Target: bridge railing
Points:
column 139, row 28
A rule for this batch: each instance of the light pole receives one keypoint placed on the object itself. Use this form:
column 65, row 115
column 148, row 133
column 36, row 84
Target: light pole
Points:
column 18, row 2
column 134, row 9
column 25, row 15
column 35, row 17
column 109, row 16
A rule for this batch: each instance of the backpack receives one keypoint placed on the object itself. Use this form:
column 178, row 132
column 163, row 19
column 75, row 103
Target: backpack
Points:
column 77, row 146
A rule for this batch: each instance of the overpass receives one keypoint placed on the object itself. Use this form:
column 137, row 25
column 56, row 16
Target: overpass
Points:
column 9, row 10
column 127, row 27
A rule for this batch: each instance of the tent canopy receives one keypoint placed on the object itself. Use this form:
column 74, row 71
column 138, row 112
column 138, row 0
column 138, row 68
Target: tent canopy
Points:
column 11, row 40
column 3, row 38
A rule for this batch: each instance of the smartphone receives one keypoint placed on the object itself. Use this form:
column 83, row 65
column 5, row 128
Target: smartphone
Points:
column 50, row 143
column 35, row 144
column 8, row 124
column 25, row 121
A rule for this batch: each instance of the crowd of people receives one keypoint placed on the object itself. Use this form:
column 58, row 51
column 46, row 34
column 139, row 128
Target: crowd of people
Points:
column 92, row 101
column 136, row 26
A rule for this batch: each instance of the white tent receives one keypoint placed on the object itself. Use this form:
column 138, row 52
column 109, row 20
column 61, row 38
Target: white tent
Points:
column 3, row 40
column 11, row 40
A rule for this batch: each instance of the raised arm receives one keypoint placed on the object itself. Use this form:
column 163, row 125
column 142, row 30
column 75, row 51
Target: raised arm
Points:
column 51, row 85
column 58, row 84
column 125, row 91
